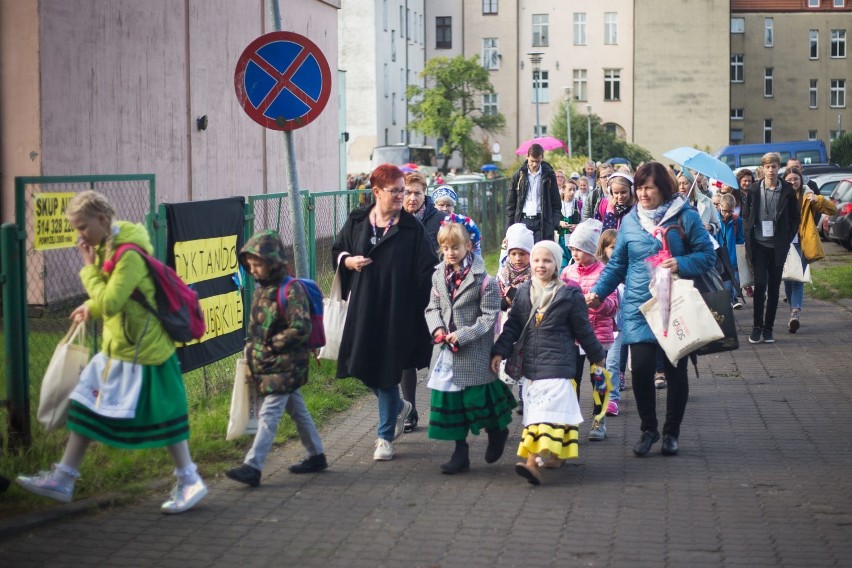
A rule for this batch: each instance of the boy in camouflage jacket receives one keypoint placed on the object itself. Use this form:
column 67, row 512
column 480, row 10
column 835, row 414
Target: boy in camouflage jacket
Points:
column 277, row 354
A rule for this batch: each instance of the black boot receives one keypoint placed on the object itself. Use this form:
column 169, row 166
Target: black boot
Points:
column 496, row 444
column 460, row 461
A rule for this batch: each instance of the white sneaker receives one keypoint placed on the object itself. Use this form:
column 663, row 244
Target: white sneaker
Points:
column 400, row 420
column 48, row 484
column 384, row 450
column 184, row 496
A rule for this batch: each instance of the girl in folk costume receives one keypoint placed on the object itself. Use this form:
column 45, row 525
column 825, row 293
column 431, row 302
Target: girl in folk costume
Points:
column 571, row 212
column 466, row 394
column 550, row 316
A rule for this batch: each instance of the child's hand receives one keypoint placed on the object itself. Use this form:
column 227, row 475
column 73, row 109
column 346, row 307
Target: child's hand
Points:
column 80, row 314
column 439, row 333
column 451, row 339
column 495, row 363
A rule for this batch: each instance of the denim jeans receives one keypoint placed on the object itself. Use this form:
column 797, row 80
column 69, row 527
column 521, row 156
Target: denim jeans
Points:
column 613, row 365
column 796, row 290
column 390, row 405
column 271, row 411
column 729, row 286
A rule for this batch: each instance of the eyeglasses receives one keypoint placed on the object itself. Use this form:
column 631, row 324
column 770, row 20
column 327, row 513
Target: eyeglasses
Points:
column 413, row 194
column 396, row 192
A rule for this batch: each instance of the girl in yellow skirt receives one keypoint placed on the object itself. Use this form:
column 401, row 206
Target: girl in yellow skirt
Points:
column 547, row 317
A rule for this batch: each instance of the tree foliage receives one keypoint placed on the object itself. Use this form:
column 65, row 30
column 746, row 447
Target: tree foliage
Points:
column 450, row 107
column 841, row 150
column 605, row 145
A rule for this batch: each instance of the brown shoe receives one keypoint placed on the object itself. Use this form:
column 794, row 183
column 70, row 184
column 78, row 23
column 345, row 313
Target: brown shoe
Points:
column 529, row 470
column 553, row 463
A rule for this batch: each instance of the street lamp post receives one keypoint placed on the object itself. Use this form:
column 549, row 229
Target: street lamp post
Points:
column 589, row 109
column 567, row 91
column 535, row 59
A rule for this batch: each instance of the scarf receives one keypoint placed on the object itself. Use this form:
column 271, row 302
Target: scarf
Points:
column 511, row 277
column 621, row 210
column 655, row 215
column 454, row 278
column 420, row 212
column 543, row 296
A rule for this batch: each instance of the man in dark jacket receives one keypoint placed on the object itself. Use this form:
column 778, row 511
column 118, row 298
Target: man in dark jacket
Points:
column 534, row 196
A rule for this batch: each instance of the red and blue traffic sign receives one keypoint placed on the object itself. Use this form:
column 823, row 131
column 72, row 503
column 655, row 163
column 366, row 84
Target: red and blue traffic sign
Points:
column 282, row 80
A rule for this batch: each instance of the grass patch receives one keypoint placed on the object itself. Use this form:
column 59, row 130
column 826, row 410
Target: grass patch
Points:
column 492, row 261
column 831, row 283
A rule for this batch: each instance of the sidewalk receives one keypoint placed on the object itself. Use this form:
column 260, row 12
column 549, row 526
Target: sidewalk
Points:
column 764, row 478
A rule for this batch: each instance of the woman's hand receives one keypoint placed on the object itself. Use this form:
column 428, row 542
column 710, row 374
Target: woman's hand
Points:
column 812, row 197
column 670, row 263
column 592, row 300
column 87, row 252
column 357, row 263
column 80, row 314
column 495, row 363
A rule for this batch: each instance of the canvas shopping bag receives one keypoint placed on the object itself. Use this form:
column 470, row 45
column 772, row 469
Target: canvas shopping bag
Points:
column 62, row 375
column 441, row 377
column 691, row 324
column 334, row 316
column 793, row 267
column 245, row 404
column 743, row 267
column 109, row 387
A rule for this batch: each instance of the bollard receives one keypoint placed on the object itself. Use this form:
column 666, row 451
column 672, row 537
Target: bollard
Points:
column 15, row 336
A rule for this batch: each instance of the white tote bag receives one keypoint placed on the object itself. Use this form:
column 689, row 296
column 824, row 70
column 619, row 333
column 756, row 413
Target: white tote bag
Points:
column 793, row 267
column 743, row 267
column 245, row 404
column 691, row 323
column 62, row 375
column 334, row 318
column 441, row 377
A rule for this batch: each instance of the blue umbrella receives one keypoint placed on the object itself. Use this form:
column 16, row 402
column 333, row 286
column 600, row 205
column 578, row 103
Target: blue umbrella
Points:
column 490, row 168
column 618, row 161
column 703, row 163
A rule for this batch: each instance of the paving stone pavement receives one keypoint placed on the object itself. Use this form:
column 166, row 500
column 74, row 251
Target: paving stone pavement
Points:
column 762, row 479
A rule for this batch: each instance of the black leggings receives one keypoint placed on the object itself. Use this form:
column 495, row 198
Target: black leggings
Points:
column 409, row 386
column 644, row 361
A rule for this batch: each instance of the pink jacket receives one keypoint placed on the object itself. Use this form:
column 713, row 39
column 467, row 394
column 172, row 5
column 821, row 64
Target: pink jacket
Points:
column 601, row 317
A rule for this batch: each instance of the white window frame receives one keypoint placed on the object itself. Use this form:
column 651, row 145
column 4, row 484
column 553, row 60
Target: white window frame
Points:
column 768, row 82
column 612, row 83
column 838, row 40
column 813, row 45
column 543, row 92
column 835, row 134
column 737, row 113
column 737, row 25
column 839, row 3
column 813, row 134
column 490, row 104
column 580, row 78
column 837, row 93
column 610, row 28
column 738, row 63
column 540, row 30
column 490, row 54
column 767, row 130
column 768, row 32
column 813, row 3
column 813, row 93
column 579, row 20
column 489, row 6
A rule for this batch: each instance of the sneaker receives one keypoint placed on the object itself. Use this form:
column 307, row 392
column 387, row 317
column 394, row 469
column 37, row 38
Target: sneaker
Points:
column 184, row 496
column 622, row 383
column 659, row 381
column 245, row 474
column 598, row 431
column 612, row 408
column 767, row 336
column 311, row 464
column 410, row 424
column 48, row 484
column 737, row 305
column 400, row 420
column 384, row 450
column 755, row 336
column 794, row 321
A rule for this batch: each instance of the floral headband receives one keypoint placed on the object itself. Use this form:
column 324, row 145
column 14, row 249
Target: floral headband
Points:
column 467, row 223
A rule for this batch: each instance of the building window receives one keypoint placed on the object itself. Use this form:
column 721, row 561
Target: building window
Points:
column 489, row 6
column 393, row 108
column 393, row 45
column 443, row 32
column 490, row 60
column 838, row 43
column 386, row 80
column 813, row 3
column 610, row 28
column 768, row 32
column 580, row 85
column 813, row 135
column 736, row 135
column 541, row 87
column 837, row 93
column 401, row 21
column 736, row 114
column 385, row 17
column 737, row 25
column 767, row 82
column 839, row 3
column 813, row 36
column 579, row 28
column 539, row 30
column 489, row 104
column 737, row 68
column 612, row 84
column 767, row 130
column 812, row 94
column 835, row 134
column 541, row 130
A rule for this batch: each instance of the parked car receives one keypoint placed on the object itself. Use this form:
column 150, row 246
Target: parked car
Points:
column 840, row 224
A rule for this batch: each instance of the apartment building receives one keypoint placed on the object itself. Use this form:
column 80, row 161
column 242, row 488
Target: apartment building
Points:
column 790, row 70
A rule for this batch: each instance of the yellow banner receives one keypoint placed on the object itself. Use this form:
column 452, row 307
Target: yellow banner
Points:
column 206, row 259
column 51, row 229
column 223, row 314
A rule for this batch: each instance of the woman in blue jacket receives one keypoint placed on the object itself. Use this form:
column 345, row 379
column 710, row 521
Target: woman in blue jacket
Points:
column 658, row 205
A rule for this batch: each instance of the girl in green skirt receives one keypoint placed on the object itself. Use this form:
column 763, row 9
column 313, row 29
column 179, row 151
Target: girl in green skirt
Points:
column 466, row 393
column 142, row 402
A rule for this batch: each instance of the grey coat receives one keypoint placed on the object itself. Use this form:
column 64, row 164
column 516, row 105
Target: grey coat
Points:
column 473, row 315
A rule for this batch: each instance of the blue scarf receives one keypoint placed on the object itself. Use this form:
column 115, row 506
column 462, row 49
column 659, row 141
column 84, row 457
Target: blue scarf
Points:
column 656, row 215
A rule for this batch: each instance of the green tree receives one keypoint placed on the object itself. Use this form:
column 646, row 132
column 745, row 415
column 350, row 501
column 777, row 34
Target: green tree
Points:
column 841, row 150
column 450, row 107
column 605, row 145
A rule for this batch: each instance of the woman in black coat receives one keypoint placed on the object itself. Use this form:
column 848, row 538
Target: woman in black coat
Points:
column 386, row 261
